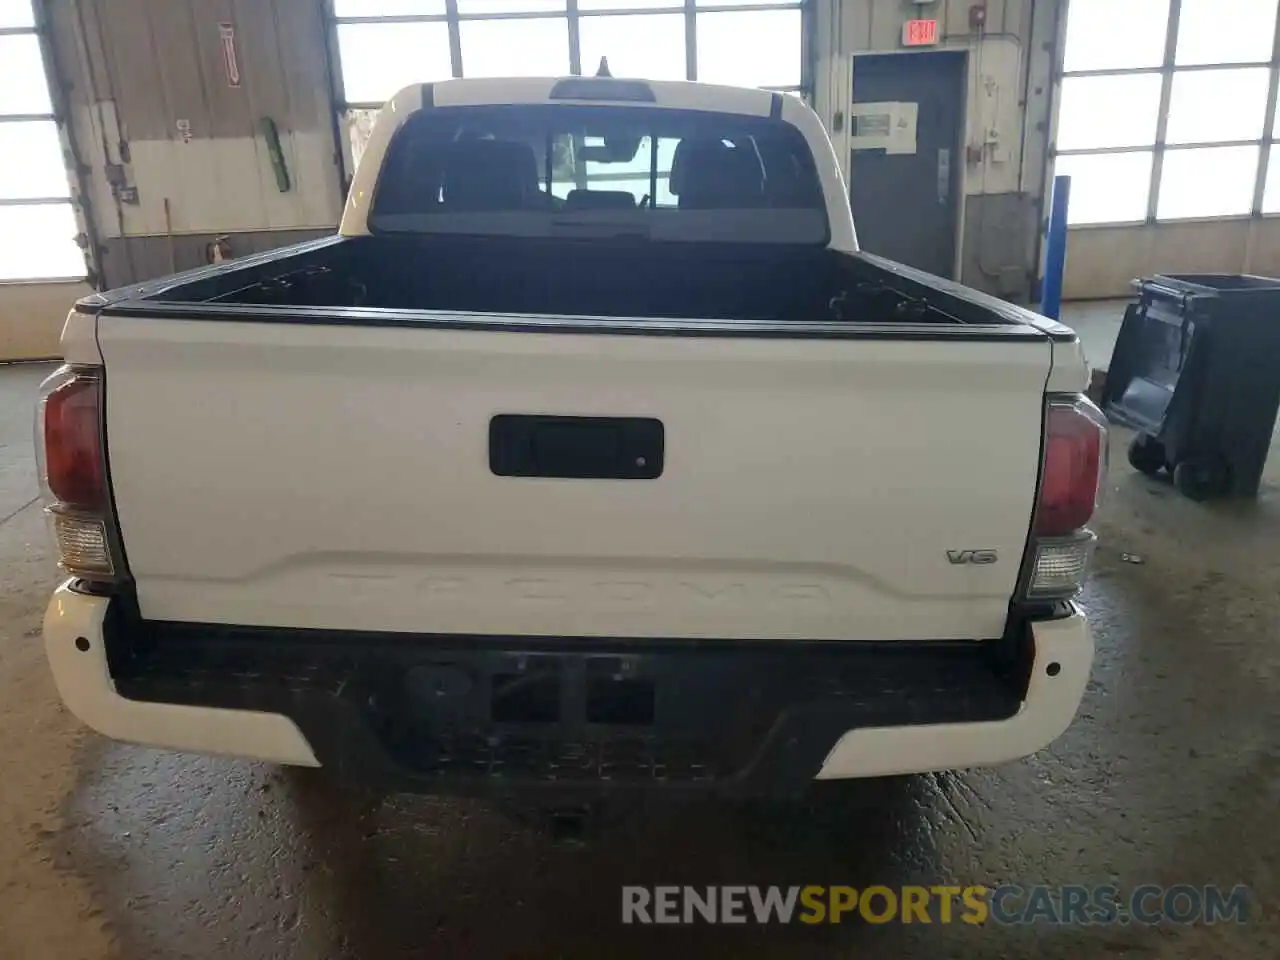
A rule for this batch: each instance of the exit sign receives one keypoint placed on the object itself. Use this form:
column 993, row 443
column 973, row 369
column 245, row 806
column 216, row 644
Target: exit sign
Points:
column 920, row 33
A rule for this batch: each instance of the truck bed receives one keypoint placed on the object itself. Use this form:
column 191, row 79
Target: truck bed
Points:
column 590, row 278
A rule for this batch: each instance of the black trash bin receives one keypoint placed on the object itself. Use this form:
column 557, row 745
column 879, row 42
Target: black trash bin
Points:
column 1196, row 370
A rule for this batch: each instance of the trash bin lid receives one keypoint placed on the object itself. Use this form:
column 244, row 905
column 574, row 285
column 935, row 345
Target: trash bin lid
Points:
column 1215, row 283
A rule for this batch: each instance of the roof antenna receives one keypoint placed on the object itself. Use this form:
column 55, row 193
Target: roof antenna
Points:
column 603, row 69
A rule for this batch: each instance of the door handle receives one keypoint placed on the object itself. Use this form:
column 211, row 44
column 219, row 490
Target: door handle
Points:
column 944, row 176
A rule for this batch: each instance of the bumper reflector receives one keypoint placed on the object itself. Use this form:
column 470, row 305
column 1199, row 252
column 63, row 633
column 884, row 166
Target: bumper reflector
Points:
column 1060, row 566
column 82, row 545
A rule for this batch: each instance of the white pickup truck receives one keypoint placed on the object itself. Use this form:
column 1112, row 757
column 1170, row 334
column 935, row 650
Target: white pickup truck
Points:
column 591, row 455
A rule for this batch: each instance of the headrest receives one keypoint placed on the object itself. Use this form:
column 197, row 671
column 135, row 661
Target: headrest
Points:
column 489, row 175
column 599, row 200
column 710, row 174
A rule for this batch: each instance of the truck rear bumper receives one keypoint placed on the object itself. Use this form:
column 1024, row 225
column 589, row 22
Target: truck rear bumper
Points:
column 75, row 643
column 505, row 715
column 1052, row 698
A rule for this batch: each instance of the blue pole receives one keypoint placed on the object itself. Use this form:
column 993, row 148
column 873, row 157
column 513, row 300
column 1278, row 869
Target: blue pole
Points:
column 1055, row 252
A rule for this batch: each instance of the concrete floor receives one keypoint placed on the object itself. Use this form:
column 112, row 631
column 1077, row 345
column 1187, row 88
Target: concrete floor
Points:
column 1171, row 774
column 1097, row 322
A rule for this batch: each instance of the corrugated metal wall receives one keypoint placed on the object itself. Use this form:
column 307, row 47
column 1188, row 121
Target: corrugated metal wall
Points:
column 1008, row 110
column 171, row 135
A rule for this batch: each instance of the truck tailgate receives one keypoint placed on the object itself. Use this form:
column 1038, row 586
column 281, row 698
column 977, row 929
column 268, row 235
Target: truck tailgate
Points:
column 340, row 476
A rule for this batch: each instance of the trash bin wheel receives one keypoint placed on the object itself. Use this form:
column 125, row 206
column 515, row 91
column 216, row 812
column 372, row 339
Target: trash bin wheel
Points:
column 1146, row 454
column 1201, row 478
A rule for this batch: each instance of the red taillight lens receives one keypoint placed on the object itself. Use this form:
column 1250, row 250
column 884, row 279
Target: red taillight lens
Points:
column 73, row 474
column 73, row 460
column 1074, row 463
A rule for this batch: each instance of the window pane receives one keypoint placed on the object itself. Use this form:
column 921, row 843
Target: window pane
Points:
column 750, row 49
column 1209, row 105
column 515, row 48
column 1107, row 187
column 387, row 8
column 31, row 163
column 745, row 3
column 466, row 7
column 379, row 59
column 1226, row 31
column 1109, row 34
column 16, row 13
column 738, row 178
column 630, row 176
column 629, row 4
column 1271, row 191
column 22, row 84
column 647, row 46
column 1112, row 111
column 37, row 242
column 1207, row 182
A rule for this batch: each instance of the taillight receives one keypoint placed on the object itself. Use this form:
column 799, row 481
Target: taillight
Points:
column 73, row 471
column 73, row 443
column 1072, row 478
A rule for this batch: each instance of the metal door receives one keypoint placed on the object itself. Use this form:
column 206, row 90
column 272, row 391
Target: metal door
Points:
column 904, row 170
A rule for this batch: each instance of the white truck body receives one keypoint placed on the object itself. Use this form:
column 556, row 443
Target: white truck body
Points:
column 810, row 510
column 292, row 471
